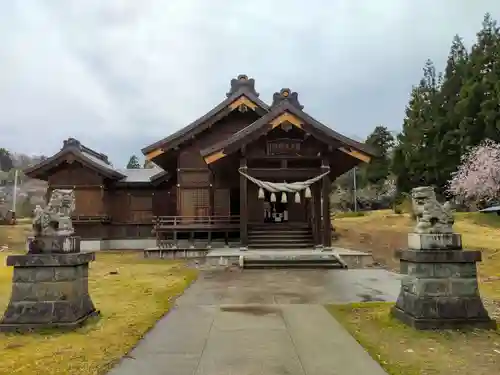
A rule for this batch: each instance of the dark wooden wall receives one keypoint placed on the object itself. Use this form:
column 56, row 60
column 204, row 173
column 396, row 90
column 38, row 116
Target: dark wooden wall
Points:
column 130, row 208
column 74, row 174
column 195, row 180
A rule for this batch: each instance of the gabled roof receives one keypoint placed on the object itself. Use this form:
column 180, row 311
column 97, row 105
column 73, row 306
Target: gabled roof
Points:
column 73, row 149
column 86, row 156
column 242, row 92
column 287, row 109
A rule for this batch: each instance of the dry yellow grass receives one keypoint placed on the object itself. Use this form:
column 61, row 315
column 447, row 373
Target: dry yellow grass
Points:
column 14, row 236
column 130, row 303
column 382, row 232
column 404, row 351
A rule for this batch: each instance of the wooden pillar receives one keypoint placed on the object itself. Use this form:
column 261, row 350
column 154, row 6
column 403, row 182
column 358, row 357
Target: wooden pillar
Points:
column 243, row 205
column 327, row 231
column 211, row 194
column 316, row 194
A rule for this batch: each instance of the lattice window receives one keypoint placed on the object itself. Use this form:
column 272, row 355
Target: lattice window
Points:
column 194, row 202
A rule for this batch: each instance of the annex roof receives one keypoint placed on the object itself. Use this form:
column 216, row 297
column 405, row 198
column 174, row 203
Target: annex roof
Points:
column 94, row 160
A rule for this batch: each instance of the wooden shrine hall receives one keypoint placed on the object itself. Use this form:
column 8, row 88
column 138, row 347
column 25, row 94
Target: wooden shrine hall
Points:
column 246, row 173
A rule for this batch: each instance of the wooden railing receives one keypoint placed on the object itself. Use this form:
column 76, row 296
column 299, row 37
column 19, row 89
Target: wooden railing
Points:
column 169, row 222
column 169, row 228
column 90, row 218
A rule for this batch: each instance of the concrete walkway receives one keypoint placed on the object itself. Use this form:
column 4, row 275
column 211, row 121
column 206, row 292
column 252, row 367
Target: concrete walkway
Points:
column 211, row 332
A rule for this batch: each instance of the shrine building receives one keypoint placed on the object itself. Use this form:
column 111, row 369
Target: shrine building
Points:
column 245, row 174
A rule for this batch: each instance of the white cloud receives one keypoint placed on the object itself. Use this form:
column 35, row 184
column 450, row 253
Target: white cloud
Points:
column 137, row 71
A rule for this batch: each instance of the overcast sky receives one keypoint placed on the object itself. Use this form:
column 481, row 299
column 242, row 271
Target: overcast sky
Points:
column 121, row 74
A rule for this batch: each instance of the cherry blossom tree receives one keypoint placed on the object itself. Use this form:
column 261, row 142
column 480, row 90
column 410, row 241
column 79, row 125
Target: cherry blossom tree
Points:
column 478, row 177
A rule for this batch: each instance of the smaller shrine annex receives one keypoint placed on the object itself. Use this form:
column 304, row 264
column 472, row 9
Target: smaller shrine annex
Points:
column 246, row 173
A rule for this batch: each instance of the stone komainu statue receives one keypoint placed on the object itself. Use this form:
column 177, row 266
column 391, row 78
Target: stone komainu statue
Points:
column 55, row 218
column 432, row 217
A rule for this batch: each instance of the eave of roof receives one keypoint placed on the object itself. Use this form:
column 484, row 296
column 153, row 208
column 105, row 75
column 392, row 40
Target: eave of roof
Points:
column 80, row 155
column 244, row 94
column 279, row 113
column 141, row 175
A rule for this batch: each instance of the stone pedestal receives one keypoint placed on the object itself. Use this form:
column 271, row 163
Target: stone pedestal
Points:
column 434, row 241
column 49, row 289
column 54, row 244
column 439, row 289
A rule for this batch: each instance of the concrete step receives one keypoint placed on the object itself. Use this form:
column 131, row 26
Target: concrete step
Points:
column 292, row 265
column 291, row 261
column 280, row 233
column 280, row 245
column 284, row 240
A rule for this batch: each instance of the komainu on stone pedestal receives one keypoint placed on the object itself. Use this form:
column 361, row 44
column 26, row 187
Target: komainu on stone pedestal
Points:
column 432, row 217
column 439, row 288
column 50, row 282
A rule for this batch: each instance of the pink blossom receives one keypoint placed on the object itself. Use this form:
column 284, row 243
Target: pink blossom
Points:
column 478, row 177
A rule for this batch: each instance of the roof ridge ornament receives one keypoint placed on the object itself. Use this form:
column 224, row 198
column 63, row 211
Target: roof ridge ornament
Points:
column 71, row 143
column 288, row 96
column 242, row 82
column 76, row 144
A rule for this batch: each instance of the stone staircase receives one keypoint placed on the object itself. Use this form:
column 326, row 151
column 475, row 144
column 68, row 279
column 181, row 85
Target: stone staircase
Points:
column 287, row 236
column 275, row 259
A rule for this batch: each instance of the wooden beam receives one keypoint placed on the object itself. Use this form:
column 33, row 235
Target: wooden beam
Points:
column 75, row 187
column 242, row 100
column 286, row 117
column 154, row 154
column 209, row 159
column 326, row 186
column 291, row 174
column 356, row 154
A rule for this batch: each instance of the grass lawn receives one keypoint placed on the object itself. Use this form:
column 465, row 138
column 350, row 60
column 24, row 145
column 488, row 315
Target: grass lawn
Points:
column 14, row 236
column 382, row 232
column 404, row 351
column 400, row 349
column 130, row 302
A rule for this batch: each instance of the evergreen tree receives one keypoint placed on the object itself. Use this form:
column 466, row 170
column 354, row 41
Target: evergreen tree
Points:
column 381, row 141
column 478, row 104
column 414, row 160
column 448, row 140
column 6, row 162
column 133, row 163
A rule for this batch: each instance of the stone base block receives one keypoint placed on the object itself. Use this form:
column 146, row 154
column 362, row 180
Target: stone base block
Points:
column 440, row 256
column 60, row 326
column 48, row 291
column 438, row 241
column 428, row 324
column 439, row 289
column 54, row 244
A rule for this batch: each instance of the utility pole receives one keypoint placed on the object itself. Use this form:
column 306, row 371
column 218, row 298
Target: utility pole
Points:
column 355, row 192
column 14, row 193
